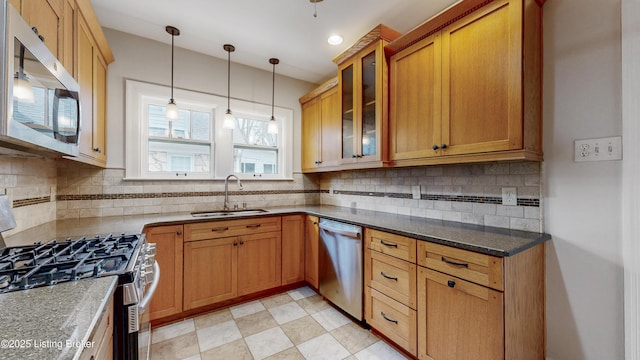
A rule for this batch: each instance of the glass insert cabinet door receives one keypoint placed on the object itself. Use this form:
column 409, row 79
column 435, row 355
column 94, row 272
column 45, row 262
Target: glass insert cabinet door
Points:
column 360, row 79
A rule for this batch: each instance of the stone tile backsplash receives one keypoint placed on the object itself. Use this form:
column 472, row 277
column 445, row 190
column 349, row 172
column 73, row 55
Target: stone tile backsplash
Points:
column 85, row 191
column 464, row 193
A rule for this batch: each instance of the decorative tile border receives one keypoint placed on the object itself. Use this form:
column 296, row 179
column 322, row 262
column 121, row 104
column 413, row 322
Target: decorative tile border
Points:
column 455, row 198
column 179, row 194
column 31, row 201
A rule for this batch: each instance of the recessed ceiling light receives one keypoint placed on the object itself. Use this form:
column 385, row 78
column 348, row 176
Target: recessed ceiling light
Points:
column 335, row 40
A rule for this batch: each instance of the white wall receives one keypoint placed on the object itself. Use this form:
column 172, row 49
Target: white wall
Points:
column 147, row 60
column 582, row 201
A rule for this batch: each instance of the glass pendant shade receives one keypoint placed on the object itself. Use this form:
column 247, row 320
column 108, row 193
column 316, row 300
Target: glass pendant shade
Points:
column 171, row 111
column 273, row 126
column 22, row 89
column 229, row 120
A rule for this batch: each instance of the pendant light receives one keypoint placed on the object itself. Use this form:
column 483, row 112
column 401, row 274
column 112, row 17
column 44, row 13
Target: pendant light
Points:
column 315, row 10
column 171, row 111
column 228, row 116
column 273, row 125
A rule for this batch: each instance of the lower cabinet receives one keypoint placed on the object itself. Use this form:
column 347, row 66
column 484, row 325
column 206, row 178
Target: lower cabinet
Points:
column 221, row 269
column 167, row 299
column 101, row 337
column 293, row 249
column 311, row 243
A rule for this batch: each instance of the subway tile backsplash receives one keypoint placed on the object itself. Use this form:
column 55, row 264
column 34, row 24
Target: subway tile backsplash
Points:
column 465, row 193
column 43, row 190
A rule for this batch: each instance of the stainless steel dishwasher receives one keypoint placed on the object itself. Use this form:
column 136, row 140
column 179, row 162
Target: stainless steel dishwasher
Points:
column 340, row 266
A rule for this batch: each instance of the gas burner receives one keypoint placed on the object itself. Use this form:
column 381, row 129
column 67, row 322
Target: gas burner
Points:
column 53, row 262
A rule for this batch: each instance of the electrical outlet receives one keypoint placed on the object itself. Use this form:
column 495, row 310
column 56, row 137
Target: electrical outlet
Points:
column 601, row 149
column 331, row 191
column 415, row 192
column 509, row 196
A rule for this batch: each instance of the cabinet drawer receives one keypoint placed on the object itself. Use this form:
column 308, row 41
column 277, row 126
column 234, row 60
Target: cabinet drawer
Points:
column 395, row 245
column 391, row 318
column 393, row 277
column 479, row 268
column 225, row 228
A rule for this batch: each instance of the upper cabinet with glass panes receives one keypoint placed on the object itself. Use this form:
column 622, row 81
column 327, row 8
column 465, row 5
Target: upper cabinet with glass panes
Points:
column 362, row 82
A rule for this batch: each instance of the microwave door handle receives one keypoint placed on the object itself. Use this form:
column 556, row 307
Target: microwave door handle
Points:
column 142, row 306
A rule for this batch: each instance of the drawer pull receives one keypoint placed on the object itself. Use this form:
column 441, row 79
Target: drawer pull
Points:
column 454, row 263
column 388, row 244
column 220, row 229
column 388, row 277
column 386, row 318
column 255, row 226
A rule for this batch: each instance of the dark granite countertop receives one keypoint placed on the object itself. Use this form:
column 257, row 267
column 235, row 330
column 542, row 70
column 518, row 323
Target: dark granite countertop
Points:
column 482, row 239
column 52, row 322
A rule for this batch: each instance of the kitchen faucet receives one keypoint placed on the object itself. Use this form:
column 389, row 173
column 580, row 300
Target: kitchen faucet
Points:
column 226, row 190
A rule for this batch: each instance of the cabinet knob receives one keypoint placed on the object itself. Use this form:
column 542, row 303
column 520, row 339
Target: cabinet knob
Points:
column 354, row 156
column 98, row 150
column 443, row 146
column 241, row 242
column 235, row 243
column 178, row 232
column 451, row 283
column 435, row 147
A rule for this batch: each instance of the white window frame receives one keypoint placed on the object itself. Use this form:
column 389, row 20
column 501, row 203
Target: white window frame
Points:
column 138, row 93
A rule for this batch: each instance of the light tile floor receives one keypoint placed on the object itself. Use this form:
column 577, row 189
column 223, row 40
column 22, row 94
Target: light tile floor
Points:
column 296, row 324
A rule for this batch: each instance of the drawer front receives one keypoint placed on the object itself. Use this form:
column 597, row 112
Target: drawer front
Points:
column 226, row 228
column 393, row 277
column 391, row 244
column 478, row 268
column 393, row 319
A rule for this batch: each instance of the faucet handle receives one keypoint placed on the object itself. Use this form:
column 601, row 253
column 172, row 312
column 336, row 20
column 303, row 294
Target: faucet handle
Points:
column 235, row 207
column 244, row 206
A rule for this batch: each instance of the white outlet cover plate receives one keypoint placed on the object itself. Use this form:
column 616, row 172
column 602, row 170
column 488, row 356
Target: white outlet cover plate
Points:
column 415, row 192
column 509, row 196
column 600, row 149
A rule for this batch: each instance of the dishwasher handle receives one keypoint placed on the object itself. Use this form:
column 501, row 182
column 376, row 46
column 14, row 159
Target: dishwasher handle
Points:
column 351, row 234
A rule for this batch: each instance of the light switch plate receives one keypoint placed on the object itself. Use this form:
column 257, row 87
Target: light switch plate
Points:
column 415, row 192
column 509, row 196
column 601, row 149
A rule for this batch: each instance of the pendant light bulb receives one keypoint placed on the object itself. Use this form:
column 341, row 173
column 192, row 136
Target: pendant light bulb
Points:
column 273, row 124
column 171, row 110
column 229, row 119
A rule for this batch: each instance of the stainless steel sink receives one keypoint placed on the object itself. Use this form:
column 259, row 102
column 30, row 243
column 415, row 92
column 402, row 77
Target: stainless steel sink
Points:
column 222, row 213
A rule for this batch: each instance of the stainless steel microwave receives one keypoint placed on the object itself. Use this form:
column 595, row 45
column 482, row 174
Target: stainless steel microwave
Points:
column 40, row 105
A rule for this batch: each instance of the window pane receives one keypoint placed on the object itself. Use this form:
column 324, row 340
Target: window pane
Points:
column 255, row 161
column 200, row 125
column 181, row 127
column 158, row 123
column 181, row 157
column 253, row 132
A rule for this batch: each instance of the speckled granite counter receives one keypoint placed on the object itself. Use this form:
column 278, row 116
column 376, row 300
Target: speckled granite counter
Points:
column 52, row 322
column 483, row 239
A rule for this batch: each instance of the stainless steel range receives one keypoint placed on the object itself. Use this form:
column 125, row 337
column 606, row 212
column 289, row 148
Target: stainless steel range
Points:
column 129, row 257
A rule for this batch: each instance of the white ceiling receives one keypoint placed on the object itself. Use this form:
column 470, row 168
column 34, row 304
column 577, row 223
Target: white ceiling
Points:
column 261, row 29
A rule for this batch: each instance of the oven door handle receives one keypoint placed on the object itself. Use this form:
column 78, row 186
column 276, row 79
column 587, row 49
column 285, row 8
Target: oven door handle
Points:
column 142, row 306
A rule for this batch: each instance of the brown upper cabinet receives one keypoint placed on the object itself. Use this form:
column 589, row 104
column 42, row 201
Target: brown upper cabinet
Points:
column 321, row 128
column 362, row 91
column 465, row 86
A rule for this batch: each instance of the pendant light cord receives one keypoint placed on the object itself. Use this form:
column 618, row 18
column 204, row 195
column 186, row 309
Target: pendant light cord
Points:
column 172, row 38
column 228, row 79
column 273, row 87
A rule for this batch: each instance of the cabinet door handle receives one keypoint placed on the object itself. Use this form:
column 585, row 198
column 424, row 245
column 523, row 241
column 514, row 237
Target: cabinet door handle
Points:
column 220, row 229
column 451, row 283
column 435, row 147
column 386, row 318
column 235, row 243
column 254, row 226
column 178, row 232
column 388, row 244
column 98, row 150
column 241, row 242
column 354, row 156
column 388, row 277
column 443, row 146
column 455, row 263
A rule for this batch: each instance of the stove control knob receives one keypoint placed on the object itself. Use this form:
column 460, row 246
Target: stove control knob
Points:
column 151, row 249
column 147, row 273
column 149, row 260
